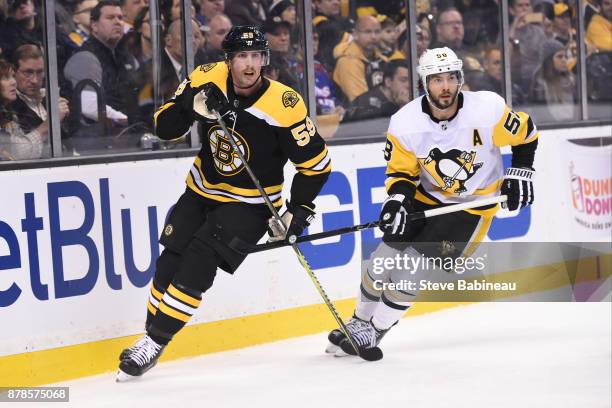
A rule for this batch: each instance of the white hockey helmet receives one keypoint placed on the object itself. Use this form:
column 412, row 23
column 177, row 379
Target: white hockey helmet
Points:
column 437, row 61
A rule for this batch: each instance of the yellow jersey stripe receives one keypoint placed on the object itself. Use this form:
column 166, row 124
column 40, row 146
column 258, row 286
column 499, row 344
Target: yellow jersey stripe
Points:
column 160, row 110
column 173, row 313
column 245, row 192
column 479, row 236
column 490, row 189
column 193, row 302
column 151, row 308
column 156, row 294
column 314, row 161
column 326, row 169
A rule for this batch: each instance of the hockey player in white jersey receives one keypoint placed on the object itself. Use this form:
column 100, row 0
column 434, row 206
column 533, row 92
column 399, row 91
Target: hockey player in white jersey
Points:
column 442, row 148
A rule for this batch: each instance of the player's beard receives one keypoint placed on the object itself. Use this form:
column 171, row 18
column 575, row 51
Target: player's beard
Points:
column 437, row 103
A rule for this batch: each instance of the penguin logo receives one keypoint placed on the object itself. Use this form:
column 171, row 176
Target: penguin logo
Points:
column 451, row 169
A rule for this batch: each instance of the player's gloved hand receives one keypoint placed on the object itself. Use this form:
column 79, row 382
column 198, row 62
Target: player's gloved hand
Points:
column 209, row 97
column 296, row 218
column 394, row 216
column 183, row 96
column 518, row 186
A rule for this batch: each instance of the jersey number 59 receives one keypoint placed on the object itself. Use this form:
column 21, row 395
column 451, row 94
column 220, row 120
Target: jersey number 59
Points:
column 302, row 133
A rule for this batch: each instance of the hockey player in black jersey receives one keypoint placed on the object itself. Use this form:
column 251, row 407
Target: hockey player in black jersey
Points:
column 269, row 123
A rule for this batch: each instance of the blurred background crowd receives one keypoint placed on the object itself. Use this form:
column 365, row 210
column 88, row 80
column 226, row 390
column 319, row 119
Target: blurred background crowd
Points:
column 117, row 61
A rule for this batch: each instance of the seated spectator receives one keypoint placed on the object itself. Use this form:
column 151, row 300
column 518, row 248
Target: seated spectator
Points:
column 562, row 24
column 450, row 33
column 389, row 36
column 138, row 40
column 423, row 39
column 277, row 33
column 130, row 9
column 80, row 17
column 359, row 64
column 526, row 38
column 101, row 61
column 554, row 85
column 330, row 10
column 243, row 12
column 21, row 27
column 394, row 8
column 548, row 15
column 599, row 31
column 29, row 107
column 492, row 79
column 385, row 99
column 15, row 144
column 172, row 58
column 208, row 10
column 283, row 10
column 330, row 35
column 172, row 10
column 218, row 27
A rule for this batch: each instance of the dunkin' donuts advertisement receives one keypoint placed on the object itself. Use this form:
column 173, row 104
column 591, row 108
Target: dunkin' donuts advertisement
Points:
column 590, row 175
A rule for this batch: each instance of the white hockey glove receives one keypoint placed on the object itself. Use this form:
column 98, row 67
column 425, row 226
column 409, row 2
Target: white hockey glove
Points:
column 518, row 186
column 394, row 215
column 296, row 219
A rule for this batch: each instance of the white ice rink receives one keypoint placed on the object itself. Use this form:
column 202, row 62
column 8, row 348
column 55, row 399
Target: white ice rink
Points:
column 484, row 355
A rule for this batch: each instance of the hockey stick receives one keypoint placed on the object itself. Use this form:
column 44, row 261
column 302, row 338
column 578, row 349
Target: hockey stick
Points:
column 246, row 248
column 371, row 354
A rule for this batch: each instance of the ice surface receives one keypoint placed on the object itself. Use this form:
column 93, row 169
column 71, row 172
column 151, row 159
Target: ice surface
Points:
column 483, row 355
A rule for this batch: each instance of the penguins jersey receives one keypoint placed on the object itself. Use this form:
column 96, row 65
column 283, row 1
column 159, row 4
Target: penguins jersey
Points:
column 457, row 160
column 269, row 127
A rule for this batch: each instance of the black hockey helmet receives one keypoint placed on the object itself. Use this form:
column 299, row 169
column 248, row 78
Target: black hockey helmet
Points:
column 246, row 38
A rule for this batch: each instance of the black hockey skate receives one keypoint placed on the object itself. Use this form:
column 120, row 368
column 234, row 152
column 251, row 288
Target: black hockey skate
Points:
column 132, row 349
column 336, row 336
column 141, row 360
column 367, row 337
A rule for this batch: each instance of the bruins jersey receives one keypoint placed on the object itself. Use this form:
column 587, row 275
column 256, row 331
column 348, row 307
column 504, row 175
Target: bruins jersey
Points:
column 456, row 160
column 270, row 127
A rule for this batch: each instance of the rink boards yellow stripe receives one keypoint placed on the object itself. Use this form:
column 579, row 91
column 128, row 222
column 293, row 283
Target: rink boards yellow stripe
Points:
column 81, row 360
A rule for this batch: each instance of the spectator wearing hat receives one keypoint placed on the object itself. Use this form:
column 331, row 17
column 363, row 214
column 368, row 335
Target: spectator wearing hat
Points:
column 562, row 24
column 599, row 31
column 278, row 35
column 554, row 84
column 283, row 10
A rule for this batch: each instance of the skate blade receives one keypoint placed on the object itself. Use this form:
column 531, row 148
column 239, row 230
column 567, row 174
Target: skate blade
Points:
column 123, row 377
column 341, row 353
column 331, row 348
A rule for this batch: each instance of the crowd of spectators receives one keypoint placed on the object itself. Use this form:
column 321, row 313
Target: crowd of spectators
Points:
column 105, row 54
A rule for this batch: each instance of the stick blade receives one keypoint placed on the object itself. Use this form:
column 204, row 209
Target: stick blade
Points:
column 368, row 354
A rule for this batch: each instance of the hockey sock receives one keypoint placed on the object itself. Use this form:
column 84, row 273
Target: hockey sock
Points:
column 366, row 304
column 174, row 311
column 388, row 312
column 155, row 296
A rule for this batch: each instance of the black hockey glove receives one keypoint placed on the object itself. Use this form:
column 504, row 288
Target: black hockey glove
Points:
column 518, row 186
column 215, row 99
column 183, row 96
column 296, row 218
column 394, row 215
